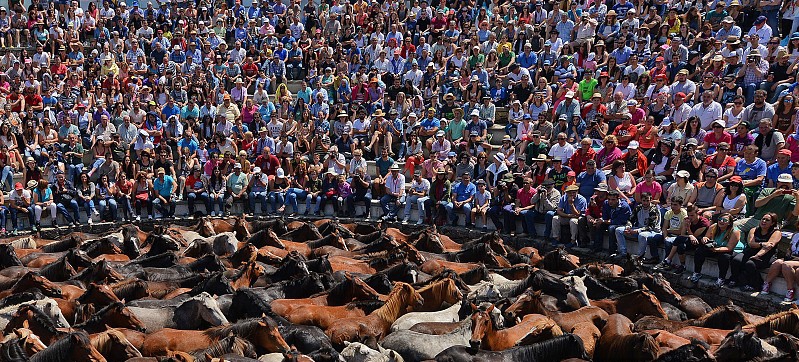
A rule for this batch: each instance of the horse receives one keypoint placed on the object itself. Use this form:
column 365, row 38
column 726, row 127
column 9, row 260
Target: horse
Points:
column 695, row 351
column 531, row 302
column 438, row 294
column 359, row 352
column 190, row 314
column 113, row 345
column 540, row 279
column 8, row 257
column 114, row 315
column 33, row 280
column 589, row 334
column 435, row 266
column 740, row 345
column 32, row 318
column 784, row 322
column 666, row 340
column 46, row 305
column 694, row 306
column 558, row 348
column 532, row 328
column 230, row 344
column 559, row 261
column 262, row 332
column 449, row 315
column 377, row 323
column 708, row 335
column 414, row 346
column 75, row 346
column 618, row 342
column 633, row 305
column 23, row 341
column 349, row 290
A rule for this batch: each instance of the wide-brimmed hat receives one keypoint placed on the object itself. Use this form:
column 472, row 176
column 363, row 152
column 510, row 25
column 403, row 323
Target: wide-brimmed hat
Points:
column 32, row 184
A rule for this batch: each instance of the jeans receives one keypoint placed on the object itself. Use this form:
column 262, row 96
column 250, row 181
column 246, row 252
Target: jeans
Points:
column 651, row 239
column 146, row 203
column 494, row 213
column 3, row 216
column 14, row 217
column 104, row 205
column 749, row 92
column 7, row 179
column 467, row 211
column 73, row 204
column 275, row 198
column 292, row 195
column 88, row 205
column 166, row 209
column 414, row 199
column 511, row 217
column 313, row 199
column 258, row 196
column 215, row 199
column 389, row 205
column 536, row 216
column 323, row 200
column 618, row 241
column 127, row 207
column 73, row 171
column 192, row 197
column 352, row 199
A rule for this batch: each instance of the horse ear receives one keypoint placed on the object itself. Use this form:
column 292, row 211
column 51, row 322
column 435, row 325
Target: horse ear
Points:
column 655, row 336
column 25, row 324
column 490, row 308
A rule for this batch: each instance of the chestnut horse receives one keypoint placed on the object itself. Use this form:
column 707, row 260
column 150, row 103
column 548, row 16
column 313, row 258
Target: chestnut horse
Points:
column 532, row 328
column 619, row 343
column 438, row 293
column 350, row 290
column 633, row 305
column 532, row 302
column 377, row 324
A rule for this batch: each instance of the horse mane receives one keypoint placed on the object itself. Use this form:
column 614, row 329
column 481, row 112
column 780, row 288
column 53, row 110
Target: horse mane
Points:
column 62, row 245
column 15, row 299
column 365, row 305
column 554, row 349
column 783, row 321
column 98, row 316
column 26, row 242
column 102, row 341
column 313, row 244
column 480, row 270
column 229, row 344
column 393, row 304
column 61, row 349
column 722, row 313
column 439, row 287
column 243, row 328
column 40, row 317
column 12, row 351
column 627, row 343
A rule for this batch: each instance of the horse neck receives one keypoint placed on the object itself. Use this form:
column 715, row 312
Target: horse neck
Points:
column 102, row 343
column 437, row 292
column 325, row 241
column 395, row 306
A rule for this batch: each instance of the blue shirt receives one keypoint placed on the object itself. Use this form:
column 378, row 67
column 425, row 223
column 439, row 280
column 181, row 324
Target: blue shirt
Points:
column 430, row 123
column 170, row 111
column 618, row 215
column 775, row 171
column 589, row 182
column 750, row 171
column 527, row 61
column 164, row 188
column 463, row 192
column 580, row 204
column 189, row 143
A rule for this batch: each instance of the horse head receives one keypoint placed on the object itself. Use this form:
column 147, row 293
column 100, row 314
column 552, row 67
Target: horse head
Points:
column 99, row 294
column 205, row 227
column 208, row 309
column 578, row 289
column 8, row 257
column 33, row 280
column 242, row 228
column 359, row 290
column 269, row 337
column 80, row 348
column 527, row 303
column 663, row 289
column 411, row 253
column 271, row 239
column 29, row 341
column 740, row 345
column 245, row 254
column 119, row 316
column 482, row 325
column 121, row 346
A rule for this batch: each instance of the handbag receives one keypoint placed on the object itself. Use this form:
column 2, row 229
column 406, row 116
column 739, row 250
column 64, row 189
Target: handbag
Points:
column 143, row 196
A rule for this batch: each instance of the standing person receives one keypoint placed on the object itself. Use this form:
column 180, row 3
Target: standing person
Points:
column 545, row 203
column 461, row 198
column 164, row 196
column 721, row 239
column 395, row 190
column 64, row 195
column 20, row 201
column 570, row 209
column 417, row 194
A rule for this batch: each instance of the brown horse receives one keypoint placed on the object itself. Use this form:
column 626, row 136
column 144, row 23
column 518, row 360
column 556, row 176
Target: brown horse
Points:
column 532, row 253
column 784, row 322
column 33, row 280
column 532, row 328
column 246, row 276
column 619, row 343
column 113, row 345
column 350, row 290
column 31, row 318
column 377, row 324
column 435, row 266
column 723, row 317
column 589, row 333
column 707, row 335
column 438, row 293
column 532, row 302
column 262, row 332
column 75, row 346
column 667, row 340
column 27, row 340
column 633, row 305
column 322, row 316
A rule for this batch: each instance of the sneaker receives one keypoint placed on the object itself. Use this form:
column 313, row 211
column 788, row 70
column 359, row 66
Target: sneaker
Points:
column 138, row 218
column 405, row 220
column 720, row 282
column 665, row 265
column 732, row 283
column 213, row 213
column 767, row 286
column 15, row 232
column 679, row 270
column 649, row 260
column 789, row 295
column 90, row 221
column 420, row 221
column 695, row 277
column 3, row 231
column 484, row 228
column 747, row 289
column 95, row 213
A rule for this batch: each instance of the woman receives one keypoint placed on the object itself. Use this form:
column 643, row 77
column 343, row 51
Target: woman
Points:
column 141, row 192
column 708, row 84
column 186, row 163
column 732, row 115
column 784, row 114
column 216, row 191
column 729, row 91
column 732, row 201
column 787, row 268
column 721, row 240
column 758, row 253
column 648, row 185
column 693, row 129
column 682, row 187
column 608, row 154
column 124, row 195
column 85, row 189
column 277, row 191
column 145, row 164
column 104, row 193
column 42, row 200
column 622, row 181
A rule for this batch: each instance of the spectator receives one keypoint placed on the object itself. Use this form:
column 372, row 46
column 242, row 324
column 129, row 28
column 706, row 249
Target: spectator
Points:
column 570, row 208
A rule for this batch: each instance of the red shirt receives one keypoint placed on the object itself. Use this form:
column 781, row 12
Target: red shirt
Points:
column 646, row 137
column 250, row 69
column 268, row 164
column 578, row 160
column 525, row 196
column 594, row 207
column 713, row 141
column 622, row 130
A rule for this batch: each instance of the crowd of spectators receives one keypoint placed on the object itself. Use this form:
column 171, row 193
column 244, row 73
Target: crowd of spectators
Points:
column 665, row 121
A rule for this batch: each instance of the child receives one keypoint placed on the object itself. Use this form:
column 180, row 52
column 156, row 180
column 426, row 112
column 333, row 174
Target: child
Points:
column 571, row 179
column 344, row 190
column 482, row 200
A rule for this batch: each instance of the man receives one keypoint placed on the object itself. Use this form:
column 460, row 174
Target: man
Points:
column 683, row 84
column 780, row 200
column 705, row 193
column 589, row 179
column 559, row 172
column 645, row 227
column 590, row 226
column 615, row 214
column 568, row 107
column 164, row 188
column 20, row 201
column 561, row 150
column 395, row 190
column 570, row 209
column 626, row 131
column 461, row 199
column 440, row 191
column 707, row 111
column 692, row 232
column 359, row 184
column 417, row 194
column 783, row 165
column 258, row 190
column 196, row 189
column 769, row 141
column 753, row 72
column 64, row 195
column 757, row 111
column 236, row 188
column 545, row 204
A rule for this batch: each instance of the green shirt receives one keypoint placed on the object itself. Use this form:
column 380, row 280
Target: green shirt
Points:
column 586, row 88
column 505, row 58
column 237, row 183
column 533, row 150
column 781, row 205
column 455, row 129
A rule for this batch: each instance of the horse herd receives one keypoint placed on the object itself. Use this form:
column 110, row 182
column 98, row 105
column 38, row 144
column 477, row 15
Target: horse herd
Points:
column 323, row 290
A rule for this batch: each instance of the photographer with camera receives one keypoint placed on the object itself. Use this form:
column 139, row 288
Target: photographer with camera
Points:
column 753, row 72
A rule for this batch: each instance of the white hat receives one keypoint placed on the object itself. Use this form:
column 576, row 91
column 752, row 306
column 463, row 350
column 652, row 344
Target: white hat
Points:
column 683, row 174
column 256, row 169
column 280, row 173
column 719, row 122
column 237, row 165
column 633, row 145
column 412, row 114
column 591, row 56
column 475, row 113
column 666, row 121
column 499, row 157
column 569, row 94
column 632, row 102
column 786, row 178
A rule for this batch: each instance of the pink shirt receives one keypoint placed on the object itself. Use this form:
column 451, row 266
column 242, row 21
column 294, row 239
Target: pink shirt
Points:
column 654, row 189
